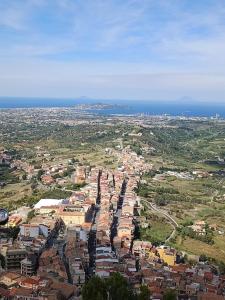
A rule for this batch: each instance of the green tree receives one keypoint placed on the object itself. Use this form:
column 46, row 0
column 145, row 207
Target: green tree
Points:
column 95, row 289
column 13, row 232
column 39, row 174
column 170, row 295
column 221, row 266
column 144, row 293
column 2, row 261
column 30, row 215
column 203, row 257
column 118, row 287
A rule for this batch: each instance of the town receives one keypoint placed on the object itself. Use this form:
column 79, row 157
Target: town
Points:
column 62, row 243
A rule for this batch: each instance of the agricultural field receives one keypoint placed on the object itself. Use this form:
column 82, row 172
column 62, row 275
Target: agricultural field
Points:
column 196, row 247
column 188, row 182
column 158, row 229
column 13, row 192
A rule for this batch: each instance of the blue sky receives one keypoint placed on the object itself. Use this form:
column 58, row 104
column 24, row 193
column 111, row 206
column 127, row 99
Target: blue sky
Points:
column 124, row 49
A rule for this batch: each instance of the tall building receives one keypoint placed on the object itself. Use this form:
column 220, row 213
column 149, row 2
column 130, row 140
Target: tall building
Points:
column 13, row 257
column 28, row 265
column 80, row 175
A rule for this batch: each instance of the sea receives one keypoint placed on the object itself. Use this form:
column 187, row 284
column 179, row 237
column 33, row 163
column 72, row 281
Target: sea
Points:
column 187, row 108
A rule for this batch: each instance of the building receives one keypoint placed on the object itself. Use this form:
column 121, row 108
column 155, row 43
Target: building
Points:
column 167, row 254
column 13, row 257
column 49, row 202
column 14, row 220
column 77, row 272
column 35, row 288
column 29, row 230
column 34, row 230
column 48, row 210
column 47, row 179
column 9, row 280
column 80, row 175
column 72, row 215
column 199, row 227
column 28, row 265
column 141, row 248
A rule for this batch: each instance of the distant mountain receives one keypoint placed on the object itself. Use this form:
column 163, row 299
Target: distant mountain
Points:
column 185, row 99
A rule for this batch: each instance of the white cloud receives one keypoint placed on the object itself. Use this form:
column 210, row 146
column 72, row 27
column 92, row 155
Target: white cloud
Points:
column 112, row 48
column 12, row 18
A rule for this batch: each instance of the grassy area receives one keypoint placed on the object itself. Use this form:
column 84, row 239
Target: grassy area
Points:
column 201, row 198
column 13, row 192
column 196, row 247
column 158, row 231
column 16, row 195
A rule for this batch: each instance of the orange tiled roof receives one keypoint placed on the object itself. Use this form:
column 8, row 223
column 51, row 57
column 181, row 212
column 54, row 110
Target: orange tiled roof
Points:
column 209, row 296
column 30, row 281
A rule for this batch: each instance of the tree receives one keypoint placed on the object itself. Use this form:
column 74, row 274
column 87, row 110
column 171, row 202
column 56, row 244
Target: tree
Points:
column 34, row 185
column 2, row 261
column 144, row 293
column 39, row 174
column 170, row 295
column 118, row 287
column 73, row 160
column 221, row 266
column 160, row 201
column 95, row 289
column 203, row 258
column 13, row 232
column 30, row 215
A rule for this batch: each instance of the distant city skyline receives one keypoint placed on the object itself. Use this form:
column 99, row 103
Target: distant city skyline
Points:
column 130, row 49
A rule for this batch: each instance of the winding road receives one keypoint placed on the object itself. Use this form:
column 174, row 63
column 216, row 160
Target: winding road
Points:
column 166, row 215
